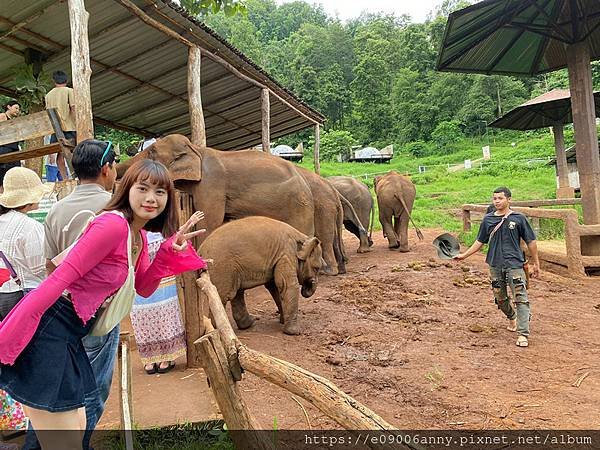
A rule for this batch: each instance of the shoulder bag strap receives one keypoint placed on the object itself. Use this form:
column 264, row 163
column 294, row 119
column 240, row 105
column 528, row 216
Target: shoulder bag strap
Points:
column 497, row 227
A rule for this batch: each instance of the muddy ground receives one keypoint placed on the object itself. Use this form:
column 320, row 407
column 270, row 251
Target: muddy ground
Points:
column 422, row 344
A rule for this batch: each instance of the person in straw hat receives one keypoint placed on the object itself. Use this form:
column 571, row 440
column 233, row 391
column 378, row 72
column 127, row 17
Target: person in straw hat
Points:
column 21, row 237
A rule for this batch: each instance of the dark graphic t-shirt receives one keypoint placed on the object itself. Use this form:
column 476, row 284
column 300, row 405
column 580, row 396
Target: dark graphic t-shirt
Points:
column 504, row 247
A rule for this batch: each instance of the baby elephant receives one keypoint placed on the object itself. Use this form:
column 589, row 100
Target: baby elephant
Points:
column 257, row 251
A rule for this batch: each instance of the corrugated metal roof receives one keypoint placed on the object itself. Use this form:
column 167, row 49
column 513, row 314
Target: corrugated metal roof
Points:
column 139, row 74
column 516, row 37
column 546, row 110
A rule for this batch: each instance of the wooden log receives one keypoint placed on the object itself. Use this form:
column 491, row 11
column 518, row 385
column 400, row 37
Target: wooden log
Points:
column 316, row 149
column 588, row 230
column 30, row 153
column 219, row 315
column 228, row 396
column 125, row 391
column 265, row 113
column 586, row 136
column 81, row 70
column 195, row 96
column 319, row 391
column 564, row 189
column 573, row 245
column 466, row 216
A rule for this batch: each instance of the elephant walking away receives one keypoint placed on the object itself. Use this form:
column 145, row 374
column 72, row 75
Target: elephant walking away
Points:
column 395, row 199
column 329, row 220
column 358, row 208
column 232, row 185
column 258, row 251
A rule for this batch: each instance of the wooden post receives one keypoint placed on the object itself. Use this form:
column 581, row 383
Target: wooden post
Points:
column 265, row 112
column 564, row 189
column 192, row 300
column 573, row 246
column 317, row 144
column 228, row 396
column 195, row 97
column 586, row 137
column 81, row 70
column 126, row 395
column 466, row 220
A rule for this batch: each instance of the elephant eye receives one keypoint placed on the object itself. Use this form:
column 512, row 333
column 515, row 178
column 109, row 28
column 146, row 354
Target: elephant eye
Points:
column 181, row 155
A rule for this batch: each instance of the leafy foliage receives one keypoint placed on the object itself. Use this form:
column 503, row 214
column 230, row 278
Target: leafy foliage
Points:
column 31, row 88
column 203, row 7
column 335, row 142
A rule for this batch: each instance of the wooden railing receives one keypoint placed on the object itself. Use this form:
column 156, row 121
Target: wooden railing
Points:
column 573, row 260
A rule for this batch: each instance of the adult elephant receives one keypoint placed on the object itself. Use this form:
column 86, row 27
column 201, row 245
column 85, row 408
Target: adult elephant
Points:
column 232, row 185
column 282, row 263
column 395, row 199
column 329, row 218
column 358, row 208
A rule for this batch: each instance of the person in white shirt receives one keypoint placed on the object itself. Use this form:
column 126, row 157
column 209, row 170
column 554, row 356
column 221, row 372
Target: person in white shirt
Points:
column 21, row 237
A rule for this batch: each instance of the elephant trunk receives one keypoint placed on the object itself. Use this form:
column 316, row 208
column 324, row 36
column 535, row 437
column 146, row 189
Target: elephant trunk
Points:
column 309, row 287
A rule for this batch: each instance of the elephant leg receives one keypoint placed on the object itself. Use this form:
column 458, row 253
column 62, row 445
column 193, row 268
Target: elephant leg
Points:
column 401, row 229
column 286, row 281
column 272, row 288
column 240, row 313
column 388, row 229
column 339, row 253
column 327, row 240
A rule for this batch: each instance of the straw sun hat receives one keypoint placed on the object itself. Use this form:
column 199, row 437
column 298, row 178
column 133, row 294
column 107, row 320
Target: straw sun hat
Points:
column 22, row 186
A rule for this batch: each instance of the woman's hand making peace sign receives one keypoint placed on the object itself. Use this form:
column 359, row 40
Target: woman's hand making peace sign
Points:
column 182, row 235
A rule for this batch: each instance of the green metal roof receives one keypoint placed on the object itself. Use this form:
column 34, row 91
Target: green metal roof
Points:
column 518, row 37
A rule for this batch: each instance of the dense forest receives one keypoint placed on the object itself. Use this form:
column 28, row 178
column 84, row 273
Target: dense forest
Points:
column 374, row 77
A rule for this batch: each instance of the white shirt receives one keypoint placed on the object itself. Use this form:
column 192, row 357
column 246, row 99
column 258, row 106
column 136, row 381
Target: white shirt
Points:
column 22, row 242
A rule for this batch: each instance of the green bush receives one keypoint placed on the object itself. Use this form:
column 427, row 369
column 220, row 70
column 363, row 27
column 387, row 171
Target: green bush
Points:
column 418, row 149
column 335, row 142
column 447, row 133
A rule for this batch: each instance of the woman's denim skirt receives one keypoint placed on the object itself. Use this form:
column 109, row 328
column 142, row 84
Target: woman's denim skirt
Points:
column 53, row 372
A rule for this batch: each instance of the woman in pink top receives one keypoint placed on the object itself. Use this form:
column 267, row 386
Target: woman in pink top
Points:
column 44, row 364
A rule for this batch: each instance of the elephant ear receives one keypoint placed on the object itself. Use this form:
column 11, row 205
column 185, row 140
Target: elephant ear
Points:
column 307, row 247
column 190, row 168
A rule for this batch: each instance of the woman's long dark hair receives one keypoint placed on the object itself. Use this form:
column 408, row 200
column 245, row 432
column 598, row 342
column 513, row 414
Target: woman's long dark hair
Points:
column 155, row 173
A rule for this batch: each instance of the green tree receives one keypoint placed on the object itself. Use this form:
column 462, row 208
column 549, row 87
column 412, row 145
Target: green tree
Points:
column 204, row 7
column 334, row 143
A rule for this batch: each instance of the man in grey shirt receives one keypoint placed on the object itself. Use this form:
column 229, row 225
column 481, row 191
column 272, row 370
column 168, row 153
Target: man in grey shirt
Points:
column 95, row 166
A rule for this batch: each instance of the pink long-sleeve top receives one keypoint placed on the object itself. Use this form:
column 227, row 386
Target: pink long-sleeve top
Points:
column 94, row 269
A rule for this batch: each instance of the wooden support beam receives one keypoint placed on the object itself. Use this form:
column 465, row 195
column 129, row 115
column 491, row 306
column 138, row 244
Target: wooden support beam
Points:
column 30, row 18
column 81, row 70
column 229, row 398
column 564, row 189
column 12, row 50
column 125, row 389
column 192, row 300
column 586, row 137
column 316, row 148
column 195, row 96
column 265, row 113
column 466, row 216
column 573, row 245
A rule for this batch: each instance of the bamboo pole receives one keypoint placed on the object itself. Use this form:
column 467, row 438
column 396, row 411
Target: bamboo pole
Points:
column 228, row 396
column 195, row 97
column 265, row 112
column 81, row 71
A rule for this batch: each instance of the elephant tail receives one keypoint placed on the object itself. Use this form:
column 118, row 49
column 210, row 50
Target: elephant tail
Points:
column 345, row 202
column 372, row 218
column 419, row 233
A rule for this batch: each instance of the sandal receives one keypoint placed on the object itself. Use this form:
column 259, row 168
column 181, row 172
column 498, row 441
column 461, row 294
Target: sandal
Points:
column 152, row 370
column 522, row 341
column 166, row 369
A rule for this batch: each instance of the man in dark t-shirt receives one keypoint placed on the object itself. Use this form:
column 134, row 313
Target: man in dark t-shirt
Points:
column 503, row 230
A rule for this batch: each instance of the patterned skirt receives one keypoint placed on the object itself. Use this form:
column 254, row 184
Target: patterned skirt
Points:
column 156, row 320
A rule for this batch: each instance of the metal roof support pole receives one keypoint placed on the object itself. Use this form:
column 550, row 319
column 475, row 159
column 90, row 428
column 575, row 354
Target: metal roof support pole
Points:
column 316, row 149
column 195, row 97
column 265, row 113
column 564, row 189
column 81, row 70
column 586, row 138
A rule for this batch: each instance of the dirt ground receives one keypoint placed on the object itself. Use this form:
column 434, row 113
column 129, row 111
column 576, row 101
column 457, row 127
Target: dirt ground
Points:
column 421, row 343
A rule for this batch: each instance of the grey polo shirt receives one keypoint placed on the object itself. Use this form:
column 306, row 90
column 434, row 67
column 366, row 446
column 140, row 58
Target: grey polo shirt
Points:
column 64, row 225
